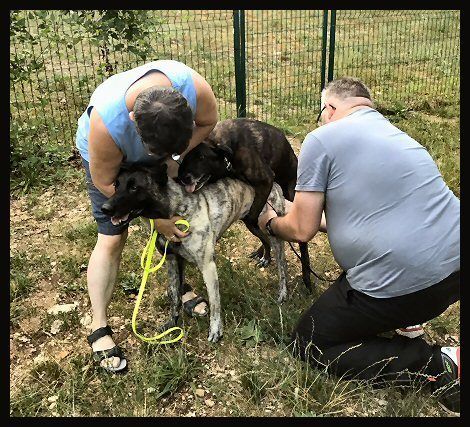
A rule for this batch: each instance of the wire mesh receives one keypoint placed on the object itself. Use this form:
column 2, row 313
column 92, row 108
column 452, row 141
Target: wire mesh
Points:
column 407, row 58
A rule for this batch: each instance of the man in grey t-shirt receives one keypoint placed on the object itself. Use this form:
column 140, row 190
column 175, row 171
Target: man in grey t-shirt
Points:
column 393, row 227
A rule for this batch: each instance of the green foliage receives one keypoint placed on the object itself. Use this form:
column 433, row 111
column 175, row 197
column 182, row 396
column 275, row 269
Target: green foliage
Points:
column 251, row 334
column 114, row 30
column 34, row 162
column 25, row 270
column 23, row 63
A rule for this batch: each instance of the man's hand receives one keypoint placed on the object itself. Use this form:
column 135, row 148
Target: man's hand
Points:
column 264, row 218
column 168, row 228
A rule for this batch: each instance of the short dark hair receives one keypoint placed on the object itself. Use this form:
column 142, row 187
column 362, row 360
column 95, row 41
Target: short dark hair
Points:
column 346, row 87
column 164, row 120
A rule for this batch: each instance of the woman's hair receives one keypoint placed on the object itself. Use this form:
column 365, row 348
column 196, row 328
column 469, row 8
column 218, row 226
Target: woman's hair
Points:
column 164, row 120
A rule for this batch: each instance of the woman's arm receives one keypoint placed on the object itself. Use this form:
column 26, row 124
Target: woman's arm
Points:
column 206, row 114
column 105, row 156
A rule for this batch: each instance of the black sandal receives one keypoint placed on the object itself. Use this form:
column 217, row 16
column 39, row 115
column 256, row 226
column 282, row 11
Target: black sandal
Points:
column 190, row 305
column 100, row 355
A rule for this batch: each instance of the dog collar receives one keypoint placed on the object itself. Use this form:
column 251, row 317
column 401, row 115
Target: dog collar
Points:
column 176, row 158
column 228, row 165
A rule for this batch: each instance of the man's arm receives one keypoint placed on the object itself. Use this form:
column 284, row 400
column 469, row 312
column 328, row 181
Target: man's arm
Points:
column 105, row 156
column 303, row 219
column 322, row 228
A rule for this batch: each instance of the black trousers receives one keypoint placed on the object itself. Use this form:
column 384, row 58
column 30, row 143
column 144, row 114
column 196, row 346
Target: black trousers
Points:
column 340, row 331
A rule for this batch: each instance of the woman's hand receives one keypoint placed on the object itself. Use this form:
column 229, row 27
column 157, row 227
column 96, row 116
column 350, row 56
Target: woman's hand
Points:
column 168, row 228
column 172, row 170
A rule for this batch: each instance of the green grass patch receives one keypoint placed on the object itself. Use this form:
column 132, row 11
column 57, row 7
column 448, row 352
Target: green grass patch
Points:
column 84, row 234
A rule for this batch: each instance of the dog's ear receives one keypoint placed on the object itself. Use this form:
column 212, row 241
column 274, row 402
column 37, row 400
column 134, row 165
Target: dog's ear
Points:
column 124, row 167
column 223, row 151
column 158, row 172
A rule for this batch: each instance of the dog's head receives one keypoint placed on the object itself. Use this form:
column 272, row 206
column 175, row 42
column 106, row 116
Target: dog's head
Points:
column 204, row 163
column 139, row 190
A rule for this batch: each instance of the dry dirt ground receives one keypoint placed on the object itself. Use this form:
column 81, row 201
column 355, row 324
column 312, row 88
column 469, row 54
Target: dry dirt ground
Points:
column 39, row 225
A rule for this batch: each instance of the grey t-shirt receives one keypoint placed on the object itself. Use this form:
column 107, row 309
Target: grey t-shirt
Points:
column 393, row 224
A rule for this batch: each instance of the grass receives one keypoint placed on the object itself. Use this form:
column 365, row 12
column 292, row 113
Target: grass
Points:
column 249, row 373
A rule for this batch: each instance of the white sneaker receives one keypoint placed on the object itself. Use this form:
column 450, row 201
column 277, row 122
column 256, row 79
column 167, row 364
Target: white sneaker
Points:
column 411, row 331
column 446, row 385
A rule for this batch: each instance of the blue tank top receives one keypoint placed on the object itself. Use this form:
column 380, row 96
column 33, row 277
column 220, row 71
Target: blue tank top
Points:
column 109, row 100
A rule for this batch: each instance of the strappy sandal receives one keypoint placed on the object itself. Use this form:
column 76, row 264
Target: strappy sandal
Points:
column 100, row 355
column 190, row 305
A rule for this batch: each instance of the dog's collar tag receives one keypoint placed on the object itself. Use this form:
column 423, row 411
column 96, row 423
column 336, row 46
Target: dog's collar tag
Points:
column 228, row 165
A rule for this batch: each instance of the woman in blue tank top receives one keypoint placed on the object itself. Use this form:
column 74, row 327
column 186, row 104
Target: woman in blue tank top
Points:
column 150, row 112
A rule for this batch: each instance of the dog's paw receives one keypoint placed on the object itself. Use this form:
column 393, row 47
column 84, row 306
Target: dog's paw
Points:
column 263, row 262
column 215, row 335
column 257, row 255
column 282, row 296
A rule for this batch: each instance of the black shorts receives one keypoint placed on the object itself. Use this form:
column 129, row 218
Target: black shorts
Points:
column 105, row 226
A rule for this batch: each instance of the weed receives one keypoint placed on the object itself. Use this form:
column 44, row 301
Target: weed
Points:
column 85, row 234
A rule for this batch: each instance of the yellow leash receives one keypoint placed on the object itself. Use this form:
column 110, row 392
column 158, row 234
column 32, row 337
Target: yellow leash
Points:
column 145, row 262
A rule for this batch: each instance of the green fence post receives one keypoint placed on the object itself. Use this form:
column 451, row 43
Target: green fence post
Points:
column 323, row 49
column 331, row 55
column 239, row 53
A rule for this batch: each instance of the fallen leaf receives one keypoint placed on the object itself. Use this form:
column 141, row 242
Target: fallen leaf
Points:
column 62, row 308
column 62, row 354
column 209, row 403
column 55, row 327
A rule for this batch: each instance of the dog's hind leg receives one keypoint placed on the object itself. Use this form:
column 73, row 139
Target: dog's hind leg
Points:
column 211, row 280
column 305, row 261
column 263, row 254
column 280, row 257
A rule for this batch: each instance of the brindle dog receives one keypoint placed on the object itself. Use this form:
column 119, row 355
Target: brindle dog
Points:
column 148, row 192
column 256, row 153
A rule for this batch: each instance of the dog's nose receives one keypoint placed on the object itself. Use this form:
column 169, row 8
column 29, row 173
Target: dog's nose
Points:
column 186, row 178
column 107, row 209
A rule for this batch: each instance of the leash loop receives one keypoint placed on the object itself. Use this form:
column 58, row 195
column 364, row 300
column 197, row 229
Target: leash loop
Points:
column 145, row 262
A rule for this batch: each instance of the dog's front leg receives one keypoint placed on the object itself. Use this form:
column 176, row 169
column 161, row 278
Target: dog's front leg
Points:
column 280, row 257
column 174, row 289
column 211, row 279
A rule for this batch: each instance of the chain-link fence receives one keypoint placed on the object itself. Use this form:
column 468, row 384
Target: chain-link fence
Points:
column 407, row 58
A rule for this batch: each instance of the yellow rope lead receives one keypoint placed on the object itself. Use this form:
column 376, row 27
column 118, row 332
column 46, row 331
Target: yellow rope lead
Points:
column 145, row 262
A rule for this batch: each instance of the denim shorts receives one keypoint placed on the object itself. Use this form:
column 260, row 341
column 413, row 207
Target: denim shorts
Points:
column 105, row 226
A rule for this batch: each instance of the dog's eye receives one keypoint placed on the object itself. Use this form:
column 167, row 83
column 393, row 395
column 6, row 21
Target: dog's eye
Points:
column 133, row 187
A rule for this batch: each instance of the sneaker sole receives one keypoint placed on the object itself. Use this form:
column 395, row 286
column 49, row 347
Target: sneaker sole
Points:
column 410, row 334
column 454, row 414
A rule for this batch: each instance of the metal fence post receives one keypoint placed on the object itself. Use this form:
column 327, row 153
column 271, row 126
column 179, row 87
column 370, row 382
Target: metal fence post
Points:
column 331, row 55
column 239, row 53
column 323, row 49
